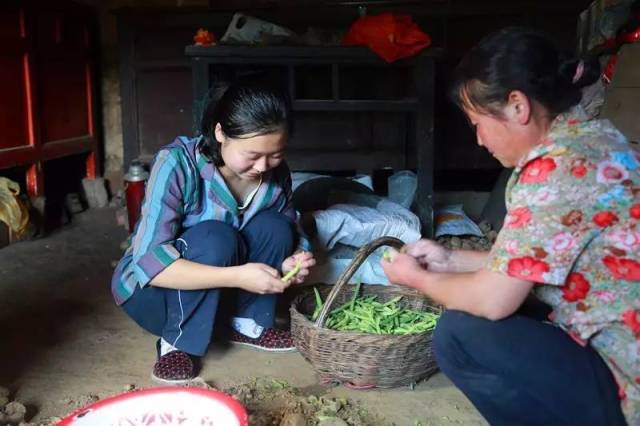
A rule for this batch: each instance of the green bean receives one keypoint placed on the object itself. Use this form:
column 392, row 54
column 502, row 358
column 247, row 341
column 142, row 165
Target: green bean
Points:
column 292, row 273
column 367, row 315
column 319, row 305
column 387, row 256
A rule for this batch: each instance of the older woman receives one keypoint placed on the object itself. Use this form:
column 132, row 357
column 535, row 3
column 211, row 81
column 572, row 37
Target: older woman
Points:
column 571, row 237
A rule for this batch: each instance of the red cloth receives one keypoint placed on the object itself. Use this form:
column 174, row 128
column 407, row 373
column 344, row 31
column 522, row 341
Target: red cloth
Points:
column 391, row 36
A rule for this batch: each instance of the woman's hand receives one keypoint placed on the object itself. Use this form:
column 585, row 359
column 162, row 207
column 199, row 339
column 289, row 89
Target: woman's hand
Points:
column 259, row 278
column 302, row 260
column 430, row 255
column 403, row 269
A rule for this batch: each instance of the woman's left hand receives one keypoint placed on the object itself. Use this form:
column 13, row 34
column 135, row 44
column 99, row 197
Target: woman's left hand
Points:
column 305, row 261
column 402, row 269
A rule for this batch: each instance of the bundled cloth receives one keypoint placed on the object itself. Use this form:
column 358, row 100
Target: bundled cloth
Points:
column 357, row 225
column 13, row 211
column 342, row 228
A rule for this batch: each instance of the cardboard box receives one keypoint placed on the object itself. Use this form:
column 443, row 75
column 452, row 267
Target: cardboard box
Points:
column 5, row 235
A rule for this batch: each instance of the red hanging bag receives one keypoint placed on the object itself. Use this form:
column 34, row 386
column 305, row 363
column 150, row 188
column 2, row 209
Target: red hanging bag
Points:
column 391, row 36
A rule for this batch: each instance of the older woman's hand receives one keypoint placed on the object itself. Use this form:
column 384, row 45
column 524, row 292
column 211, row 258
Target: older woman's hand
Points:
column 402, row 269
column 430, row 255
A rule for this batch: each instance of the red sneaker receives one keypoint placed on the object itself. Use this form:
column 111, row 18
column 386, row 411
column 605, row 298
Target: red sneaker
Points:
column 271, row 340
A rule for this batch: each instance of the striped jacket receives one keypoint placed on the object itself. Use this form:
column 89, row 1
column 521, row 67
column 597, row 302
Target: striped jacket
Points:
column 183, row 190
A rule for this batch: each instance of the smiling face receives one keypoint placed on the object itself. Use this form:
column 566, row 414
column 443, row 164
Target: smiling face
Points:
column 247, row 158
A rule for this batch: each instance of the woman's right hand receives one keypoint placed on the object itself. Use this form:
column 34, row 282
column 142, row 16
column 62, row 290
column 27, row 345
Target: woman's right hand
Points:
column 430, row 255
column 259, row 278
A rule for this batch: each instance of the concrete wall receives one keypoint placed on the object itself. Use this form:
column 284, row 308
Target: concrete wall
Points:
column 622, row 99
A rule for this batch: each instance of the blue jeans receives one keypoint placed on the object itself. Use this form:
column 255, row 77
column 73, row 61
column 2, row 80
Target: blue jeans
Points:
column 521, row 371
column 185, row 318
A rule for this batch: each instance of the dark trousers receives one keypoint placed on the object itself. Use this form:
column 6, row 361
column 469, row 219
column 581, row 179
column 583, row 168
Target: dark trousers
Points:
column 521, row 371
column 185, row 318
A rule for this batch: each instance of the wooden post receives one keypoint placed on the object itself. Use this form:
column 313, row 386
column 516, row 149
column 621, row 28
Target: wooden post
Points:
column 131, row 145
column 424, row 76
column 201, row 85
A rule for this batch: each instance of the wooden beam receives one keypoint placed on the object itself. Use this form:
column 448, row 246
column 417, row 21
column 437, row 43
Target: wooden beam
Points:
column 62, row 148
column 354, row 105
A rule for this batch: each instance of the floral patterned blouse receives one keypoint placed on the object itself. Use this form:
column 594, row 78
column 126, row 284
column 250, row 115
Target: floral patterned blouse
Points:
column 573, row 227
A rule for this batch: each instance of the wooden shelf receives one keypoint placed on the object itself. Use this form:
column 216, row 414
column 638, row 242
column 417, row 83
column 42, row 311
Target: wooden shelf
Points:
column 355, row 105
column 208, row 63
column 345, row 160
column 289, row 54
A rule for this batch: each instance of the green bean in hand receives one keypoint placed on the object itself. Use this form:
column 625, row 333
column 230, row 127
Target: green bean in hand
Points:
column 292, row 273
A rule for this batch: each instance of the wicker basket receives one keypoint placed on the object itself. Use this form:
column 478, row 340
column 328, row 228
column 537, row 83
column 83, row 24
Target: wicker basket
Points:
column 363, row 360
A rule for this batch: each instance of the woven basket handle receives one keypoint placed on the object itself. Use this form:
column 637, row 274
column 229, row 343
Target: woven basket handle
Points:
column 358, row 259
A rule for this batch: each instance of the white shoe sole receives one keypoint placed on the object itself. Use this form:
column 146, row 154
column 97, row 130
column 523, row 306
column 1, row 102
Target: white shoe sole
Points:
column 263, row 349
column 182, row 382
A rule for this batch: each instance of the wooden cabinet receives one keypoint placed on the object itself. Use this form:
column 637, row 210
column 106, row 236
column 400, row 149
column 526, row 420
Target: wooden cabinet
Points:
column 155, row 76
column 47, row 90
column 156, row 81
column 382, row 114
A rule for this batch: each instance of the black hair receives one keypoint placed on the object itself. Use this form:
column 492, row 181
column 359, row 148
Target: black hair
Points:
column 243, row 110
column 520, row 59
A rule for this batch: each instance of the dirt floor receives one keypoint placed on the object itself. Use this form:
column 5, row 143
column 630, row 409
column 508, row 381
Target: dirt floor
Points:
column 65, row 343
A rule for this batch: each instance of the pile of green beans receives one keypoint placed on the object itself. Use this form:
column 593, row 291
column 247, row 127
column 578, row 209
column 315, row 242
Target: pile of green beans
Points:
column 367, row 315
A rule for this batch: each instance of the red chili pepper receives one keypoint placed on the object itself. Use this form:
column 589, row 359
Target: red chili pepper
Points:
column 204, row 38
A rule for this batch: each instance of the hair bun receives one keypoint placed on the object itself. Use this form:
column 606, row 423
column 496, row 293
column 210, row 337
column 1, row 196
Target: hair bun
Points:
column 580, row 72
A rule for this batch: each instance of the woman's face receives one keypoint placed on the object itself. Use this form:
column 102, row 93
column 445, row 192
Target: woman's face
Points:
column 251, row 156
column 497, row 136
column 510, row 134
